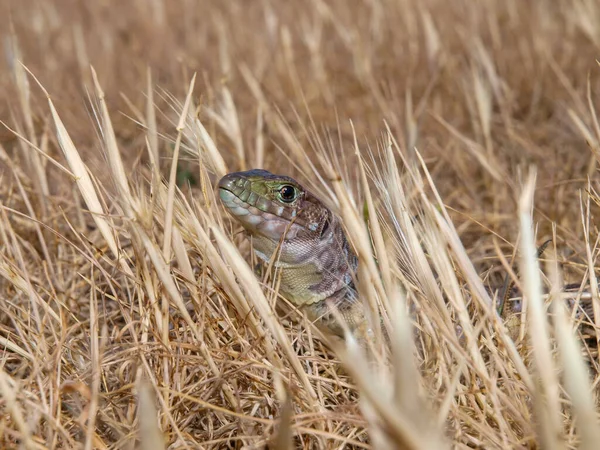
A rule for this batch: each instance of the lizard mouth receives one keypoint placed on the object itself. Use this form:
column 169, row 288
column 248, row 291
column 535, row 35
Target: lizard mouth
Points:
column 226, row 195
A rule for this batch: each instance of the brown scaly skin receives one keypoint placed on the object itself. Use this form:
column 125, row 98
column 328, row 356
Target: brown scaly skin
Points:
column 306, row 240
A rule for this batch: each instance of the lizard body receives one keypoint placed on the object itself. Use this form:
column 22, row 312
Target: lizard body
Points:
column 305, row 240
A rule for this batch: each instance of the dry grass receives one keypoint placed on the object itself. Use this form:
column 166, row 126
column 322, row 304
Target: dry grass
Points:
column 451, row 137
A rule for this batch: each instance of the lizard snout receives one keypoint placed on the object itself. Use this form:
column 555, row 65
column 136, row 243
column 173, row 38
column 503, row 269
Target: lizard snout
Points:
column 230, row 186
column 228, row 182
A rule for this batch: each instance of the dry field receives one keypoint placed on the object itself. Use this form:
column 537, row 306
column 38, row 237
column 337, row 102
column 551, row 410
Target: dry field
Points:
column 452, row 137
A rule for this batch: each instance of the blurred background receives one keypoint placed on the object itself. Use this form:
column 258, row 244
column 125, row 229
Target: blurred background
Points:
column 480, row 88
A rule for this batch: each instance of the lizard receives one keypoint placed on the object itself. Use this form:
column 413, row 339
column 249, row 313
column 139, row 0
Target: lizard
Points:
column 305, row 240
column 295, row 231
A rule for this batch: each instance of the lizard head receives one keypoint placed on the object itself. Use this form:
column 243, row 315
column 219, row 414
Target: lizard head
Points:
column 274, row 207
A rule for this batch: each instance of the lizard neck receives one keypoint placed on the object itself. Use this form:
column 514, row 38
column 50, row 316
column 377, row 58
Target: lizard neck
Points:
column 313, row 268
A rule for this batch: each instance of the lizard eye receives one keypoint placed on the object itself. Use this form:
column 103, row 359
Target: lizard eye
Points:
column 288, row 193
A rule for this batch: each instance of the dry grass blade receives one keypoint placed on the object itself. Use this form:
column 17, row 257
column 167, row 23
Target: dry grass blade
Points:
column 173, row 173
column 10, row 398
column 11, row 346
column 202, row 145
column 96, row 361
column 84, row 183
column 375, row 226
column 407, row 380
column 162, row 270
column 110, row 143
column 227, row 119
column 546, row 401
column 151, row 437
column 283, row 440
column 35, row 160
column 83, row 180
column 15, row 272
column 269, row 317
column 576, row 372
column 151, row 125
column 585, row 219
column 391, row 422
